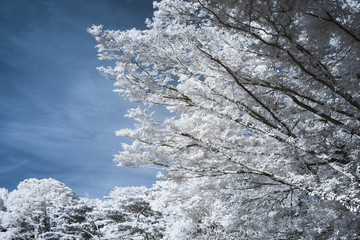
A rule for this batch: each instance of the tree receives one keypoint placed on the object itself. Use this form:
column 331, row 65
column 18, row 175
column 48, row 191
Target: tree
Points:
column 28, row 209
column 72, row 221
column 127, row 214
column 266, row 96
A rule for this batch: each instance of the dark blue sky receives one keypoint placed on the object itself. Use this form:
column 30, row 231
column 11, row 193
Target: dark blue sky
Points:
column 58, row 115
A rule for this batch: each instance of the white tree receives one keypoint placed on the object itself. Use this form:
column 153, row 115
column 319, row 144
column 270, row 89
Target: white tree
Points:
column 28, row 208
column 266, row 96
column 72, row 221
column 126, row 214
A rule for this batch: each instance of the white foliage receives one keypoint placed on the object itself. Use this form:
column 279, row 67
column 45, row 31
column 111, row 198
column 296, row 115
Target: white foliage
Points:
column 46, row 209
column 267, row 97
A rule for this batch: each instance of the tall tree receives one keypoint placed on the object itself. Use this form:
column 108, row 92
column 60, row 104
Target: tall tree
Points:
column 267, row 100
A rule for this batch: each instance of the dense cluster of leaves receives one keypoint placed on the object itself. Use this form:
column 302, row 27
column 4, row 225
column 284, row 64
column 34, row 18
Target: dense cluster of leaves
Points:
column 266, row 96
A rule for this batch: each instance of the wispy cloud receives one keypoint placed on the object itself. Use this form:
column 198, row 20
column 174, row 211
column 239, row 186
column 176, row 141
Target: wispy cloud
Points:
column 58, row 115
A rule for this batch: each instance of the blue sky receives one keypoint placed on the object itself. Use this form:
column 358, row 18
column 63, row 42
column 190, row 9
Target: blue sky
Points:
column 58, row 115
